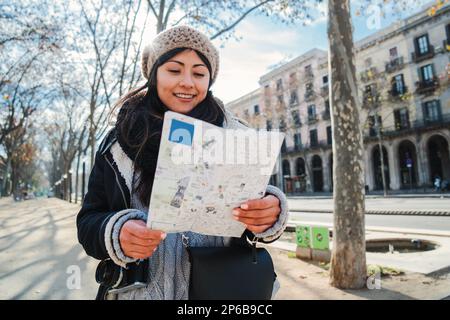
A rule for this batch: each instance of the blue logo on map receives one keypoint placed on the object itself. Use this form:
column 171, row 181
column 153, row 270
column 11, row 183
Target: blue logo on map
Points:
column 181, row 132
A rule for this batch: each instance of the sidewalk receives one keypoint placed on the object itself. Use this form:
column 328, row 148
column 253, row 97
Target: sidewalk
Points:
column 39, row 252
column 302, row 280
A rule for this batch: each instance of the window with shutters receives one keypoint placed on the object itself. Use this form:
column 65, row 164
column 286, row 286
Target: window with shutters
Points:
column 401, row 119
column 313, row 138
column 393, row 53
column 256, row 109
column 296, row 118
column 312, row 113
column 427, row 73
column 398, row 85
column 422, row 45
column 293, row 101
column 297, row 141
column 432, row 111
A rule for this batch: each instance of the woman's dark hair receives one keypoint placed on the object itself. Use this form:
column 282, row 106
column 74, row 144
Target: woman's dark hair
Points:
column 141, row 107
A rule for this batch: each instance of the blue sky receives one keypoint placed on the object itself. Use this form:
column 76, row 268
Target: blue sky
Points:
column 266, row 43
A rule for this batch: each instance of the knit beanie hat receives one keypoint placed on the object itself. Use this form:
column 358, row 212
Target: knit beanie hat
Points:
column 179, row 37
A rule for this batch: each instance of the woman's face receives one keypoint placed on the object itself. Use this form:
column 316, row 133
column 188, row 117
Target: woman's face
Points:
column 182, row 82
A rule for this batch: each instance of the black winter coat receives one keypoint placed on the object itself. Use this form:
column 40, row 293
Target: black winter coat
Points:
column 108, row 194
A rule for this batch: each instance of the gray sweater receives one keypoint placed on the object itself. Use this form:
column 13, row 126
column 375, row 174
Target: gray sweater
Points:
column 169, row 265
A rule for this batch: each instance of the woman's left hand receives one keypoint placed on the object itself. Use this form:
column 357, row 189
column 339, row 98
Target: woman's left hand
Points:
column 259, row 214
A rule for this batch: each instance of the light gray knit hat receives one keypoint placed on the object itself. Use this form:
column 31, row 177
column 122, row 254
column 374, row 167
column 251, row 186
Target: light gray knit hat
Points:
column 179, row 37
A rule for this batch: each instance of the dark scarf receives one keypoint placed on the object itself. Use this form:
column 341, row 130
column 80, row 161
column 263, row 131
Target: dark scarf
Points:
column 145, row 160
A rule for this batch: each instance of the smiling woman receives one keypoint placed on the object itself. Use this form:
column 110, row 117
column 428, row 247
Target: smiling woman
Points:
column 183, row 81
column 180, row 65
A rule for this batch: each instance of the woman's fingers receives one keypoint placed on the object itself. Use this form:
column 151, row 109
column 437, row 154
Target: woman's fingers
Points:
column 258, row 221
column 259, row 204
column 139, row 229
column 270, row 212
column 258, row 214
column 137, row 241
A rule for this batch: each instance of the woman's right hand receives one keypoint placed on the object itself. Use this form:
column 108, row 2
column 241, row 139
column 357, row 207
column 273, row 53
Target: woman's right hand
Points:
column 137, row 241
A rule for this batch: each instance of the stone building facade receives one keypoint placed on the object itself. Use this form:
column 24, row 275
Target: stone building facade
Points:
column 403, row 79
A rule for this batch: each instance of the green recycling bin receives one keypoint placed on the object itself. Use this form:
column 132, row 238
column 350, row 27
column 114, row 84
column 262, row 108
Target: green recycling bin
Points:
column 303, row 234
column 320, row 238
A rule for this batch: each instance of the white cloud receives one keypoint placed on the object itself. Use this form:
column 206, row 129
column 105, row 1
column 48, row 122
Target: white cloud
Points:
column 243, row 63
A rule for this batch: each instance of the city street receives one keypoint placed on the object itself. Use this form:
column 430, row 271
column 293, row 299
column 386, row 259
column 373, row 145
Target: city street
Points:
column 392, row 221
column 378, row 203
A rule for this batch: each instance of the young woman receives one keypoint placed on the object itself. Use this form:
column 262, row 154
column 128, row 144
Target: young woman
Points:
column 180, row 65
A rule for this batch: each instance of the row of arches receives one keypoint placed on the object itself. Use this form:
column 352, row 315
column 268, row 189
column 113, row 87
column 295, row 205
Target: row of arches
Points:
column 437, row 152
column 309, row 176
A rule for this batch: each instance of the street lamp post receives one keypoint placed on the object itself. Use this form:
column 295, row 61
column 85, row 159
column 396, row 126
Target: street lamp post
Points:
column 280, row 172
column 383, row 178
column 70, row 186
column 409, row 166
column 64, row 187
column 83, row 176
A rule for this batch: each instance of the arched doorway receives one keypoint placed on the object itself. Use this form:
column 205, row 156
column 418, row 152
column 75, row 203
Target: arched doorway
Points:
column 287, row 176
column 300, row 170
column 317, row 173
column 378, row 185
column 407, row 164
column 438, row 157
column 286, row 168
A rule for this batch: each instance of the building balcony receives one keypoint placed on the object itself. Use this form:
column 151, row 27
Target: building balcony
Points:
column 309, row 76
column 372, row 132
column 394, row 95
column 369, row 74
column 371, row 100
column 418, row 57
column 413, row 127
column 297, row 124
column 322, row 144
column 310, row 96
column 293, row 104
column 394, row 65
column 405, row 125
column 325, row 90
column 428, row 86
column 312, row 119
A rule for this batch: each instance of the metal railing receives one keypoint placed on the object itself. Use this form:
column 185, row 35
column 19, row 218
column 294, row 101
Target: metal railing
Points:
column 414, row 126
column 368, row 74
column 394, row 94
column 394, row 65
column 418, row 57
column 427, row 86
column 309, row 95
column 305, row 147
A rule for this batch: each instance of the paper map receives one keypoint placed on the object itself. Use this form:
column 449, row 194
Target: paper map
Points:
column 204, row 171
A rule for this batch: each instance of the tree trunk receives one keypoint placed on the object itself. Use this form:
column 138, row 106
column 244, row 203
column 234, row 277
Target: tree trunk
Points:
column 348, row 262
column 5, row 177
column 76, row 177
